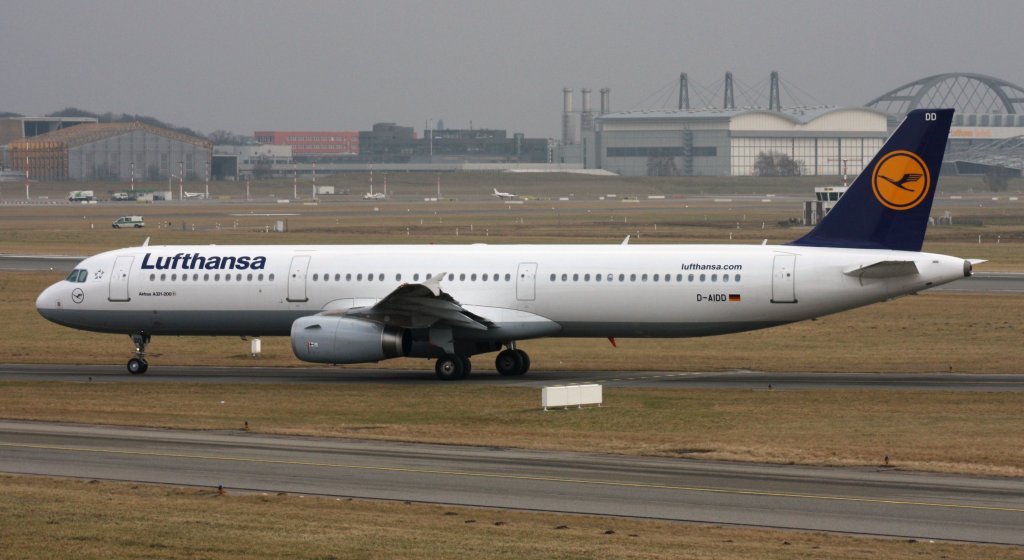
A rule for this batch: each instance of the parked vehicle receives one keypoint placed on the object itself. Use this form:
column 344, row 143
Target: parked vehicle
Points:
column 128, row 221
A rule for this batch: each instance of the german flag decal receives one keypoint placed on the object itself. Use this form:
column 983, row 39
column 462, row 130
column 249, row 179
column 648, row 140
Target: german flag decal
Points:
column 734, row 297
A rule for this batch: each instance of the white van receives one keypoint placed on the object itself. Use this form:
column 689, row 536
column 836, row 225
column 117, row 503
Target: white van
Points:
column 128, row 221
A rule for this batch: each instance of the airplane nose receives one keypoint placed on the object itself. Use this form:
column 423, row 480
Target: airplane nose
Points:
column 49, row 302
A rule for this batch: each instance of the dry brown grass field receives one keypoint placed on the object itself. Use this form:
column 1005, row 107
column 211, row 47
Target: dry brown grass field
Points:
column 41, row 518
column 978, row 433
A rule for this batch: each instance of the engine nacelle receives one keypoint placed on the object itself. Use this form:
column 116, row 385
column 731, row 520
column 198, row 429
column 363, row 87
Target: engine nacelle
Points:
column 344, row 340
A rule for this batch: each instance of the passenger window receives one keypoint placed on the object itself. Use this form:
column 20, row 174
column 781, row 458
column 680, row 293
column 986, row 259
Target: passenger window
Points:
column 451, row 277
column 484, row 278
column 576, row 277
column 163, row 277
column 462, row 277
column 473, row 277
column 348, row 277
column 725, row 278
column 586, row 278
column 632, row 277
column 689, row 278
column 359, row 277
column 238, row 277
column 216, row 277
column 260, row 277
column 622, row 278
column 206, row 277
column 679, row 277
column 316, row 277
column 643, row 278
column 380, row 277
column 714, row 278
column 271, row 277
column 702, row 277
column 416, row 277
column 152, row 277
column 655, row 277
column 597, row 277
column 565, row 277
column 398, row 278
column 508, row 277
column 552, row 277
column 249, row 277
column 737, row 278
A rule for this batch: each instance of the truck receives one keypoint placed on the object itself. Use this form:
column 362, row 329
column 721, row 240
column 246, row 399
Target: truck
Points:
column 128, row 222
column 81, row 196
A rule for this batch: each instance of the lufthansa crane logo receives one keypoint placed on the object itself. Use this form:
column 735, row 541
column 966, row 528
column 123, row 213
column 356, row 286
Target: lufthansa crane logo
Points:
column 901, row 180
column 77, row 295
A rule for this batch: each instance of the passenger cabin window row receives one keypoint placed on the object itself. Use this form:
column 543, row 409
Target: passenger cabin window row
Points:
column 643, row 277
column 206, row 277
column 379, row 277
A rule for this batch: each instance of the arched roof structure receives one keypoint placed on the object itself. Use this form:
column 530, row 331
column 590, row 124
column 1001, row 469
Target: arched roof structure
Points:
column 967, row 93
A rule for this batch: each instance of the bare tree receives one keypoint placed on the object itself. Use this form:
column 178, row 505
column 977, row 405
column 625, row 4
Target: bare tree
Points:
column 775, row 164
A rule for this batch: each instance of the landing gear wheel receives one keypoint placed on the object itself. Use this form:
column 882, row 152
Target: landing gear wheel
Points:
column 525, row 358
column 137, row 366
column 451, row 367
column 510, row 362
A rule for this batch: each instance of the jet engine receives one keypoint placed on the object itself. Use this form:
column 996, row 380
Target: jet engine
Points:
column 344, row 340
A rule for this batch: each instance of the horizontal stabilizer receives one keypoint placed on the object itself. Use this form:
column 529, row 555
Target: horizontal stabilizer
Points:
column 884, row 269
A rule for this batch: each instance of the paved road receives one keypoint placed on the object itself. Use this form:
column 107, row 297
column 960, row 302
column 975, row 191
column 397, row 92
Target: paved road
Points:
column 862, row 501
column 681, row 380
column 983, row 282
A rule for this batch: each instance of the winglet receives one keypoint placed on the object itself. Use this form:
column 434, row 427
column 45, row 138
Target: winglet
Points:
column 434, row 284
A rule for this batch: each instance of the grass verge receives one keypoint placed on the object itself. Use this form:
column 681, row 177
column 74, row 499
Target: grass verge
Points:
column 978, row 433
column 44, row 518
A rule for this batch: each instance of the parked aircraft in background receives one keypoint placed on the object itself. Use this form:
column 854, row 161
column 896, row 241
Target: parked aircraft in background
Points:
column 195, row 195
column 366, row 303
column 374, row 196
column 505, row 195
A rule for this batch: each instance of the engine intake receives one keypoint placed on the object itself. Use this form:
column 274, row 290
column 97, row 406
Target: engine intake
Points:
column 343, row 340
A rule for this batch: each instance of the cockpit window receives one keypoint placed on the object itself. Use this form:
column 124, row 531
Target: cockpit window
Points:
column 78, row 275
column 73, row 276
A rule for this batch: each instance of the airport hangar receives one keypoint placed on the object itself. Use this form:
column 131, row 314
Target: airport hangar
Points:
column 111, row 151
column 988, row 130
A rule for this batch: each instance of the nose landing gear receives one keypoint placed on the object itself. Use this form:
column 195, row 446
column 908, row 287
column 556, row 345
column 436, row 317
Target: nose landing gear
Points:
column 138, row 365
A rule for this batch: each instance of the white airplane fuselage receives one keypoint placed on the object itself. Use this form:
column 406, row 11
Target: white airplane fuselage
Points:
column 536, row 290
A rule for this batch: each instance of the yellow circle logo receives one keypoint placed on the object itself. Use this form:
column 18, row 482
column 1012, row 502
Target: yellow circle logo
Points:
column 900, row 180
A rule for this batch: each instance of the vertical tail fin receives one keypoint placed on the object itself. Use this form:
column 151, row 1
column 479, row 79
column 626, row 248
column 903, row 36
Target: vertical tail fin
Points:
column 888, row 205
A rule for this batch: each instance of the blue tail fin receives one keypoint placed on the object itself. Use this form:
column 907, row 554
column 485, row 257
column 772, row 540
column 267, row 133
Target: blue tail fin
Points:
column 888, row 205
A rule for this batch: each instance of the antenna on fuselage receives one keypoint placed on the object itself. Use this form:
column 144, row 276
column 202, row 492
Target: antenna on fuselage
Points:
column 625, row 241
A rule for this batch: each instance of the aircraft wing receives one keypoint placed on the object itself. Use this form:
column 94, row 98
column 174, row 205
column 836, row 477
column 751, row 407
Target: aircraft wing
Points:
column 419, row 305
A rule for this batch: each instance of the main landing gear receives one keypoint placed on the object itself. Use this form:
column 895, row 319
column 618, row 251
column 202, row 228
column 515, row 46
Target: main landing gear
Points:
column 138, row 364
column 453, row 367
column 512, row 362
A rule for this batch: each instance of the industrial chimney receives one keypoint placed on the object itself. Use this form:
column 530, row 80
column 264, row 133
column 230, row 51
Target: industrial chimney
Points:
column 567, row 135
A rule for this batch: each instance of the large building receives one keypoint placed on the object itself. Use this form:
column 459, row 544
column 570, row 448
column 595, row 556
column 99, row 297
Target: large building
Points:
column 313, row 144
column 821, row 140
column 111, row 151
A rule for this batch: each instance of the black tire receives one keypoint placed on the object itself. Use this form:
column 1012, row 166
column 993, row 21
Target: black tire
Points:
column 525, row 358
column 450, row 367
column 137, row 366
column 509, row 362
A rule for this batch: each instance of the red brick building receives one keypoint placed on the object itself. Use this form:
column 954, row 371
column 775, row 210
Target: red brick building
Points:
column 313, row 143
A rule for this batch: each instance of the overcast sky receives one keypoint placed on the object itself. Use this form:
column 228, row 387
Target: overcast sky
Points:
column 304, row 65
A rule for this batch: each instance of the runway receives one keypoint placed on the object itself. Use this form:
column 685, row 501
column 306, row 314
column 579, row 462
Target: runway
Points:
column 871, row 501
column 116, row 373
column 981, row 282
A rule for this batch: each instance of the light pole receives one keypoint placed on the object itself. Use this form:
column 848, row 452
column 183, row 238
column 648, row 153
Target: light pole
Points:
column 133, row 176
